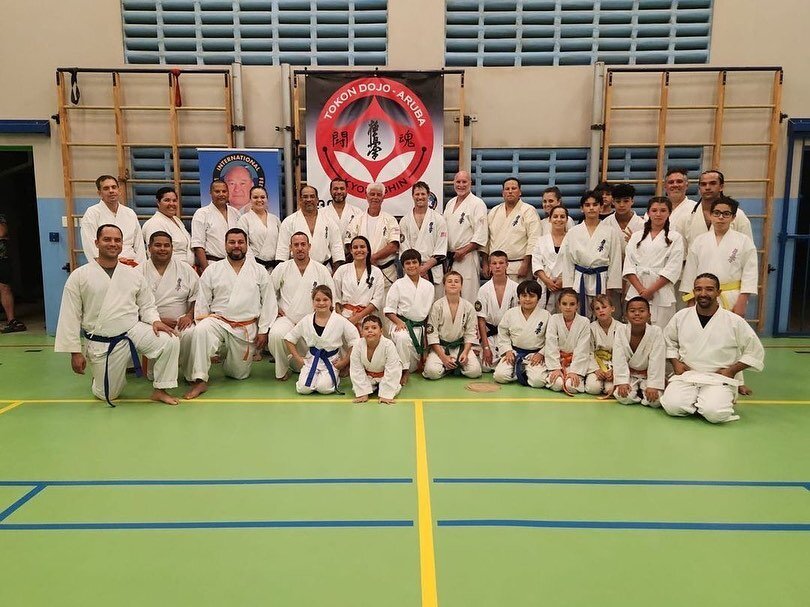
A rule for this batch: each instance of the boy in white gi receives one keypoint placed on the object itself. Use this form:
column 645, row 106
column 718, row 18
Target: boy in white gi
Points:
column 235, row 307
column 451, row 334
column 639, row 357
column 324, row 332
column 568, row 346
column 174, row 285
column 591, row 256
column 495, row 297
column 708, row 346
column 467, row 233
column 653, row 261
column 425, row 230
column 111, row 306
column 599, row 379
column 110, row 211
column 514, row 227
column 624, row 219
column 261, row 227
column 522, row 340
column 407, row 307
column 375, row 364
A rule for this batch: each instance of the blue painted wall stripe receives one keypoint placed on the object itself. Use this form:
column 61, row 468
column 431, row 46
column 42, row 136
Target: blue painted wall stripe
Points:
column 637, row 525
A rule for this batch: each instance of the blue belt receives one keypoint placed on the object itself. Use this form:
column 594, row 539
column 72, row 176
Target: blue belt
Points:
column 583, row 297
column 111, row 343
column 520, row 369
column 321, row 355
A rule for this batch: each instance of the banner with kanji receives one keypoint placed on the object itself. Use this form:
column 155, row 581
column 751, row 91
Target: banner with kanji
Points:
column 376, row 128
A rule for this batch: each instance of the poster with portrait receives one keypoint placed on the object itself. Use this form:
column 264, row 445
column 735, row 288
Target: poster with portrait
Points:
column 241, row 169
column 381, row 127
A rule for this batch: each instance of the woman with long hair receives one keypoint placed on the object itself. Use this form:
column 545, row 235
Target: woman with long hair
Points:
column 359, row 286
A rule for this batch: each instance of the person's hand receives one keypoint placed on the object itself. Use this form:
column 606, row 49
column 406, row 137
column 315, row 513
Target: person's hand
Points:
column 554, row 285
column 554, row 376
column 537, row 359
column 509, row 357
column 128, row 262
column 161, row 327
column 739, row 309
column 400, row 326
column 524, row 271
column 184, row 322
column 726, row 372
column 679, row 367
column 645, row 293
column 601, row 375
column 575, row 379
column 171, row 322
column 609, row 375
column 462, row 358
column 459, row 254
column 78, row 362
column 486, row 355
column 623, row 390
column 260, row 342
column 355, row 319
column 449, row 362
column 485, row 271
column 652, row 394
column 342, row 363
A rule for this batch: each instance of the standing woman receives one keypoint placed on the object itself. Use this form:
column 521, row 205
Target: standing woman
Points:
column 545, row 265
column 359, row 286
column 324, row 332
column 166, row 219
column 261, row 227
column 654, row 260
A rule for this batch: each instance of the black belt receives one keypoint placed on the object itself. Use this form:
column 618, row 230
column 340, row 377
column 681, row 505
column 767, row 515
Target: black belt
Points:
column 491, row 329
column 266, row 264
column 213, row 257
column 112, row 342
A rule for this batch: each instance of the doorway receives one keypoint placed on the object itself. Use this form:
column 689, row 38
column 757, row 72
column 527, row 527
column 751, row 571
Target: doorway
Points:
column 18, row 207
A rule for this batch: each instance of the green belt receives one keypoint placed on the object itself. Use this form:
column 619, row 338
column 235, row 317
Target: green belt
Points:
column 449, row 345
column 410, row 325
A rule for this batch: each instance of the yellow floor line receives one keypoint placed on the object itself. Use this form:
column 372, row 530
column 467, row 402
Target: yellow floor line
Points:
column 427, row 557
column 13, row 405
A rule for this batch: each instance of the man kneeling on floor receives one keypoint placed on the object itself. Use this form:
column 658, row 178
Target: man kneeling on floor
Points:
column 707, row 347
column 111, row 305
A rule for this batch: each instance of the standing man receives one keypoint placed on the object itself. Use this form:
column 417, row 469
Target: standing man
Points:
column 293, row 281
column 337, row 209
column 235, row 307
column 111, row 306
column 699, row 219
column 6, row 294
column 466, row 218
column 425, row 230
column 239, row 181
column 209, row 225
column 109, row 211
column 382, row 232
column 174, row 286
column 676, row 182
column 514, row 228
column 323, row 233
column 707, row 347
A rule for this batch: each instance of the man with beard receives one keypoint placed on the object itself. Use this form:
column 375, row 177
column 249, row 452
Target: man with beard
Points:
column 111, row 306
column 466, row 218
column 337, row 210
column 209, row 225
column 235, row 307
column 707, row 346
column 110, row 211
column 324, row 234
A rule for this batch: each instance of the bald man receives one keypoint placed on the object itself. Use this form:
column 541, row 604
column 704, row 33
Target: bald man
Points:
column 466, row 217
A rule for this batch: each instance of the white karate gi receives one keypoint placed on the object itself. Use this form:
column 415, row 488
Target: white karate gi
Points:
column 385, row 360
column 491, row 310
column 324, row 351
column 678, row 219
column 354, row 294
column 386, row 230
column 725, row 340
column 442, row 327
column 545, row 258
column 173, row 226
column 342, row 221
column 326, row 239
column 262, row 238
column 108, row 307
column 467, row 222
column 603, row 248
column 293, row 291
column 651, row 259
column 733, row 260
column 693, row 224
column 601, row 346
column 515, row 234
column 174, row 291
column 636, row 224
column 576, row 341
column 231, row 309
column 640, row 369
column 411, row 301
column 125, row 218
column 208, row 228
column 430, row 240
column 517, row 331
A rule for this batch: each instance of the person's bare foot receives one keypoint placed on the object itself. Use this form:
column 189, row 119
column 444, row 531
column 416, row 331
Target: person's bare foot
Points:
column 361, row 399
column 387, row 401
column 257, row 357
column 197, row 388
column 161, row 396
column 285, row 378
column 745, row 390
column 405, row 377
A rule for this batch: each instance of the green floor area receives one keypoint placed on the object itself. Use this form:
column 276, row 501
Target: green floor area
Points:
column 254, row 495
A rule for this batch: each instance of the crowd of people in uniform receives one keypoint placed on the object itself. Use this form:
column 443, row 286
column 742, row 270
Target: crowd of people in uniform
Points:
column 337, row 291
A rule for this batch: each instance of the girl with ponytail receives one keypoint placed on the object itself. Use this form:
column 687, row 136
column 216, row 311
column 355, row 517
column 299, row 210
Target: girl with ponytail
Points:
column 359, row 286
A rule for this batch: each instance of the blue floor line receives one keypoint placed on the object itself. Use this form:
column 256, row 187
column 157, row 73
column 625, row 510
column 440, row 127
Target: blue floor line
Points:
column 204, row 525
column 638, row 525
column 619, row 481
column 21, row 502
column 204, row 482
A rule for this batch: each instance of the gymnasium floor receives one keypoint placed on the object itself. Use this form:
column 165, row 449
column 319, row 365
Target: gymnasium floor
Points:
column 253, row 495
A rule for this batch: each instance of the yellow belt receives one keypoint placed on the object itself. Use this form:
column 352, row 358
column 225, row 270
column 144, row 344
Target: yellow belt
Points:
column 603, row 358
column 726, row 286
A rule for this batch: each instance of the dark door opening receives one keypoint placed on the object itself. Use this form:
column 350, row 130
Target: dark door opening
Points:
column 18, row 206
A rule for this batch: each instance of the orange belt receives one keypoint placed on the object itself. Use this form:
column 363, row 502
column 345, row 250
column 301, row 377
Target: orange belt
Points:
column 638, row 372
column 352, row 307
column 236, row 324
column 375, row 374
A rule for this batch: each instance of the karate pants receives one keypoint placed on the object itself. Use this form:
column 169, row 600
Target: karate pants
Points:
column 536, row 375
column 275, row 344
column 163, row 349
column 407, row 353
column 636, row 394
column 557, row 385
column 209, row 335
column 715, row 402
column 596, row 386
column 661, row 315
column 434, row 369
column 184, row 365
column 321, row 381
column 496, row 355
